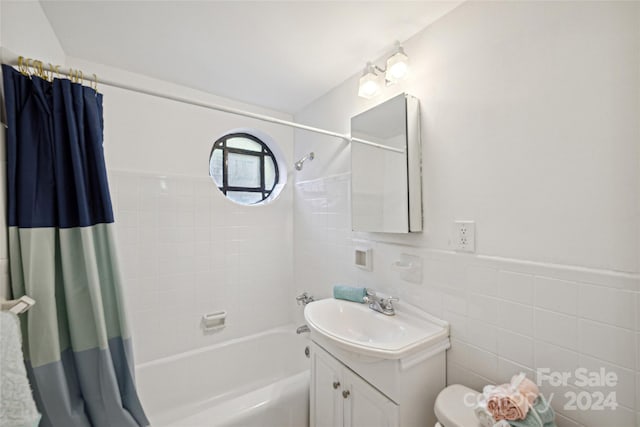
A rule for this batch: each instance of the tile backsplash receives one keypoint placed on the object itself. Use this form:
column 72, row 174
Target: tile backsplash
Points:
column 506, row 315
column 186, row 250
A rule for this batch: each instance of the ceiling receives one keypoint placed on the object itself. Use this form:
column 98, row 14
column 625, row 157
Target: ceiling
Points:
column 280, row 55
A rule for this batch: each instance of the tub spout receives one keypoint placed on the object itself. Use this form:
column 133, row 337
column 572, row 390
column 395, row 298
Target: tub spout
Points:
column 302, row 329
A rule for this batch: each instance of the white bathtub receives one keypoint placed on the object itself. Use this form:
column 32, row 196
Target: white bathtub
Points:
column 260, row 380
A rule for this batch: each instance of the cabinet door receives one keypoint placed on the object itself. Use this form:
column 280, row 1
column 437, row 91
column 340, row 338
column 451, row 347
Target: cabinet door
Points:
column 326, row 390
column 364, row 406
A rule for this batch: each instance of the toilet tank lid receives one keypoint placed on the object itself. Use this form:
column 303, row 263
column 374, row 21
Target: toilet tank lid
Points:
column 453, row 408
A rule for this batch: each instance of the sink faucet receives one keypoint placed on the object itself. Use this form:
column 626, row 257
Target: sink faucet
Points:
column 381, row 305
column 304, row 298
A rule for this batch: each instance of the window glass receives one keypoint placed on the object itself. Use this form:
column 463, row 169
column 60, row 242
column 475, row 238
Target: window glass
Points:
column 243, row 168
column 269, row 172
column 215, row 166
column 244, row 143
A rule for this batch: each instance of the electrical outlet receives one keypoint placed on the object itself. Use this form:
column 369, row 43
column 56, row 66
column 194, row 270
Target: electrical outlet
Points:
column 464, row 236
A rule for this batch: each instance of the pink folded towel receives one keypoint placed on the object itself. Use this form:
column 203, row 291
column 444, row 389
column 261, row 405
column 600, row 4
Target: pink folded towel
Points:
column 506, row 404
column 511, row 401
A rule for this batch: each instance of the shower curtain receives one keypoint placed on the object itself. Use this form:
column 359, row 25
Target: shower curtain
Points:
column 77, row 343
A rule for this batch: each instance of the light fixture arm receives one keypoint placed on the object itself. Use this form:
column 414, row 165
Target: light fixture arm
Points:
column 383, row 72
column 396, row 67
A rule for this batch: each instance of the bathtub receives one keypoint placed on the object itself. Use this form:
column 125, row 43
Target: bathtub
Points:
column 261, row 380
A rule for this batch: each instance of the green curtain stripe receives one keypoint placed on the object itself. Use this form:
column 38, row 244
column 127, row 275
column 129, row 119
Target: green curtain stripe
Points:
column 74, row 276
column 33, row 272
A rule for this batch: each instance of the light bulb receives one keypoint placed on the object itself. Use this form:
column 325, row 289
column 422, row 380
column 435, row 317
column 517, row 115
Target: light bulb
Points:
column 398, row 70
column 369, row 85
column 397, row 66
column 369, row 89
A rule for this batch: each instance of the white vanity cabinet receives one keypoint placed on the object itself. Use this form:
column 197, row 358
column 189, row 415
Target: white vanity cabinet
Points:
column 340, row 398
column 372, row 370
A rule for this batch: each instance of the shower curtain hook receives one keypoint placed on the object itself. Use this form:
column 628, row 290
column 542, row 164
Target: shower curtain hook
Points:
column 51, row 71
column 39, row 69
column 21, row 66
column 28, row 66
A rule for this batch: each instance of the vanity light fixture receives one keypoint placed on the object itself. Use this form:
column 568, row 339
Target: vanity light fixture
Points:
column 397, row 68
column 369, row 82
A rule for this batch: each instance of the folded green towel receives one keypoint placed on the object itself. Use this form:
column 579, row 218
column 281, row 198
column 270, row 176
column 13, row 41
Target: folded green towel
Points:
column 544, row 412
column 349, row 293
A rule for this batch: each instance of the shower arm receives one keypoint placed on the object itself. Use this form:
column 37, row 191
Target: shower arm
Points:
column 300, row 162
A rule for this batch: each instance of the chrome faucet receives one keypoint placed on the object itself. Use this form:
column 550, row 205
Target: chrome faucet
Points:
column 304, row 298
column 381, row 305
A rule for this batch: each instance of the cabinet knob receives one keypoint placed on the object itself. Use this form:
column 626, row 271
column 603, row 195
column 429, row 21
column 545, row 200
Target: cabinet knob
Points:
column 345, row 393
column 336, row 384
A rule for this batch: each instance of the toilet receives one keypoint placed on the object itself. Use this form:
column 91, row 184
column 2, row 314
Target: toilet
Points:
column 451, row 409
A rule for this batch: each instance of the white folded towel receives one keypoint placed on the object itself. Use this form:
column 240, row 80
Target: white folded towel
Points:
column 17, row 408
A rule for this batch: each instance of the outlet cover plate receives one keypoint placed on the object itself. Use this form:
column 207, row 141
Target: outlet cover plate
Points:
column 464, row 236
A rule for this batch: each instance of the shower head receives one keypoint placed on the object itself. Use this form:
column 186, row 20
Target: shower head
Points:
column 300, row 162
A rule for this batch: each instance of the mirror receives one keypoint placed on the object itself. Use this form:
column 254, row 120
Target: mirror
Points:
column 386, row 180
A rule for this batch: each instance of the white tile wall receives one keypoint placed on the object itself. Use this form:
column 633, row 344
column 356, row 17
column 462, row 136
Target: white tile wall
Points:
column 186, row 251
column 506, row 315
column 556, row 328
column 612, row 306
column 556, row 295
column 516, row 287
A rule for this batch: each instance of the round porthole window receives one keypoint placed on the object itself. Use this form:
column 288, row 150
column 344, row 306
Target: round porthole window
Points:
column 245, row 169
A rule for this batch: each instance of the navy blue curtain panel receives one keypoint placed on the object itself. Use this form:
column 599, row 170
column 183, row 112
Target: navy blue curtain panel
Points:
column 76, row 339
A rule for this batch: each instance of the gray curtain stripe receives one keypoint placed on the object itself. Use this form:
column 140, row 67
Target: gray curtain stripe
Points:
column 91, row 388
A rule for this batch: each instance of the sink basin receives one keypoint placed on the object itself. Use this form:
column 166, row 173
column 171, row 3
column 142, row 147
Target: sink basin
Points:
column 357, row 328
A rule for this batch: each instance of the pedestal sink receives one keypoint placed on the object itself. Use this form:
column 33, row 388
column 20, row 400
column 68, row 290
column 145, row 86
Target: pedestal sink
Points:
column 357, row 328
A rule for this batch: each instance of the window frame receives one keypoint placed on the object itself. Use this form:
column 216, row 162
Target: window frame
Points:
column 221, row 144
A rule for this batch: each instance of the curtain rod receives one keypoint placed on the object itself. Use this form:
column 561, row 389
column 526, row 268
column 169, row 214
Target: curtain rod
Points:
column 13, row 60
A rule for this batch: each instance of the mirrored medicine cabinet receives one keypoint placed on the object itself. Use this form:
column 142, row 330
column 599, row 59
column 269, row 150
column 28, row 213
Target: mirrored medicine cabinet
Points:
column 386, row 177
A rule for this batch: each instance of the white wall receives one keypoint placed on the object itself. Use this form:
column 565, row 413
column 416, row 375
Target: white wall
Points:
column 530, row 128
column 25, row 30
